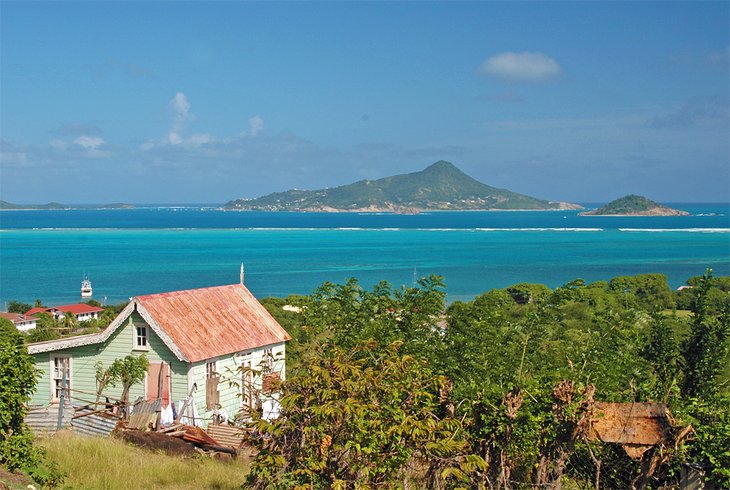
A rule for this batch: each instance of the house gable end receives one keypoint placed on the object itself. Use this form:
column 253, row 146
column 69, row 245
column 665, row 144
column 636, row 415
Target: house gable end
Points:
column 160, row 332
column 80, row 340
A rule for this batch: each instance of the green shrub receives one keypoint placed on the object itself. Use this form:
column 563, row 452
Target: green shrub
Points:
column 17, row 383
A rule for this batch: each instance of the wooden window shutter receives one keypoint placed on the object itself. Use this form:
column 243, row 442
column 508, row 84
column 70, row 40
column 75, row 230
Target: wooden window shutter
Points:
column 212, row 396
column 158, row 382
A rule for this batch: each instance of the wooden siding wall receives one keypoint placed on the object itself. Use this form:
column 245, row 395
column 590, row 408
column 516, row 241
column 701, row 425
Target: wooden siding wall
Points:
column 229, row 386
column 119, row 345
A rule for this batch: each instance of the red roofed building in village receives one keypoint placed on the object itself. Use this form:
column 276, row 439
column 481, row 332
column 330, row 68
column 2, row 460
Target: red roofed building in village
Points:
column 21, row 322
column 82, row 311
column 218, row 344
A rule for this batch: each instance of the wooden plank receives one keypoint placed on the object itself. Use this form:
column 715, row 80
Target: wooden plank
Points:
column 644, row 424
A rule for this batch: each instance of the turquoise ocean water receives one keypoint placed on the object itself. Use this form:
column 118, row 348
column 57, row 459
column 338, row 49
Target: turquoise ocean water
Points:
column 44, row 254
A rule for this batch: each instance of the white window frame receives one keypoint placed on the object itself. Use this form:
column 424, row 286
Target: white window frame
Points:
column 136, row 337
column 52, row 370
column 268, row 360
column 211, row 369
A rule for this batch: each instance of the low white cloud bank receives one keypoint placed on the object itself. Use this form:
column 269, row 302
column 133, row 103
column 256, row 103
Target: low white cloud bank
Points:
column 91, row 145
column 527, row 66
column 182, row 114
column 89, row 142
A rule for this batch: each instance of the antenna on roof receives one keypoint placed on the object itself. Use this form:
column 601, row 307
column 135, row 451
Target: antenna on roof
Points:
column 241, row 272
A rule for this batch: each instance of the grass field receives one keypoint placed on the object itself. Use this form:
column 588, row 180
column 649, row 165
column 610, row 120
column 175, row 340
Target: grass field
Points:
column 95, row 463
column 679, row 313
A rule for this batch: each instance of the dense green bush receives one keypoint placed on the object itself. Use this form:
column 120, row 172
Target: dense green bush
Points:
column 357, row 419
column 17, row 383
column 524, row 365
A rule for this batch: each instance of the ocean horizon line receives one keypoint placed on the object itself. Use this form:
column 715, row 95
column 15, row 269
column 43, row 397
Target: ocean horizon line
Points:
column 380, row 229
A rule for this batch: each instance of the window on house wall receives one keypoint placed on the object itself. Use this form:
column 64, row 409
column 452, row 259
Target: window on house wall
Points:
column 59, row 366
column 212, row 378
column 140, row 338
column 268, row 360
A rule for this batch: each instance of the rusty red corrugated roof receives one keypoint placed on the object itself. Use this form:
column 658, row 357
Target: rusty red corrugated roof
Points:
column 211, row 322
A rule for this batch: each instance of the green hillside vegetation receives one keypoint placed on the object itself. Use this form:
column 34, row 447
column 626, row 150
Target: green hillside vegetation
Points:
column 388, row 388
column 634, row 205
column 5, row 205
column 50, row 205
column 439, row 186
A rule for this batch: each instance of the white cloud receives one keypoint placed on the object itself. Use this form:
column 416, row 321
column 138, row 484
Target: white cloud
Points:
column 256, row 124
column 91, row 146
column 177, row 135
column 88, row 142
column 527, row 66
column 181, row 107
column 173, row 138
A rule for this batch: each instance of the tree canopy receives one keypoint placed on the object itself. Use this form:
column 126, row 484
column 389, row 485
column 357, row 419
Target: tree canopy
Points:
column 510, row 376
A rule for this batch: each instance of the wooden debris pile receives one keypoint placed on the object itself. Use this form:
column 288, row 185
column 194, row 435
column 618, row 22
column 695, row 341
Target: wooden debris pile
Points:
column 178, row 439
column 144, row 429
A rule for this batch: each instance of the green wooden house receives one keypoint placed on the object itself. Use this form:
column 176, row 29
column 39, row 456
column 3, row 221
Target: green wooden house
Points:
column 218, row 343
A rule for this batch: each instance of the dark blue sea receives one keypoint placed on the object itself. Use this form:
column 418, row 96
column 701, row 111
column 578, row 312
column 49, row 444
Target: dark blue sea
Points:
column 128, row 252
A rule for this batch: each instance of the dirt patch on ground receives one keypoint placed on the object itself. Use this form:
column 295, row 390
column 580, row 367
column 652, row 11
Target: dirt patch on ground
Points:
column 10, row 480
column 152, row 440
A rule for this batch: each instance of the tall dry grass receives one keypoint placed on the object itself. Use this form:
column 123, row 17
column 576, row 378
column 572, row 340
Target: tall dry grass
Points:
column 106, row 463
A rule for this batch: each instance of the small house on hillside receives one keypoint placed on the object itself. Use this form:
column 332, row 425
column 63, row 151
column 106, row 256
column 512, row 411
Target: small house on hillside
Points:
column 21, row 322
column 82, row 311
column 199, row 341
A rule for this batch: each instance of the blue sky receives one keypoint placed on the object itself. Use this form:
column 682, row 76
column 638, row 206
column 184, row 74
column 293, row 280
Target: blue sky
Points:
column 178, row 102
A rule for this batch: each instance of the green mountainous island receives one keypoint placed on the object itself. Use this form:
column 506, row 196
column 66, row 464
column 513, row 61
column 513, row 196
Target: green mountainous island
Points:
column 440, row 186
column 633, row 205
column 5, row 205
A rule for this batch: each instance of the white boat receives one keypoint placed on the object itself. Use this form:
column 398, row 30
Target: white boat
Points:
column 86, row 291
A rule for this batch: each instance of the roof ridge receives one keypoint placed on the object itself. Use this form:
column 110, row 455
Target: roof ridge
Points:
column 183, row 291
